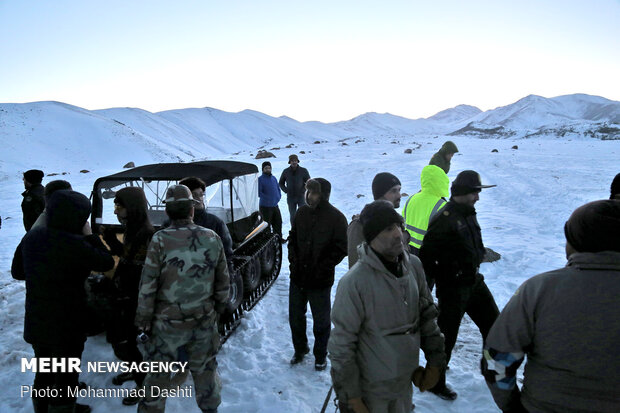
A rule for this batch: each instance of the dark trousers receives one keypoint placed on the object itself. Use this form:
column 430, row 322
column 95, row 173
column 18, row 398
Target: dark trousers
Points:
column 320, row 305
column 456, row 300
column 122, row 333
column 294, row 203
column 272, row 216
column 58, row 380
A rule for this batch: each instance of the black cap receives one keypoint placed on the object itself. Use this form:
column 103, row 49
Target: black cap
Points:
column 377, row 216
column 33, row 176
column 594, row 227
column 467, row 182
column 382, row 183
column 266, row 163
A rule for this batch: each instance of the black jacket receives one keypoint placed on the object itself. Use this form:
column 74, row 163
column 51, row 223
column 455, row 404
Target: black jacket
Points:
column 453, row 250
column 317, row 243
column 292, row 182
column 32, row 205
column 55, row 262
column 131, row 259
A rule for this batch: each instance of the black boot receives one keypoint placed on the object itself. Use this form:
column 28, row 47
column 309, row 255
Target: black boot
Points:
column 320, row 363
column 81, row 408
column 131, row 400
column 39, row 405
column 61, row 408
column 444, row 392
column 299, row 356
column 122, row 378
column 69, row 408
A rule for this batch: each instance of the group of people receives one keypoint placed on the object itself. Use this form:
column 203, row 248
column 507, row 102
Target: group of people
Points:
column 292, row 182
column 383, row 312
column 169, row 285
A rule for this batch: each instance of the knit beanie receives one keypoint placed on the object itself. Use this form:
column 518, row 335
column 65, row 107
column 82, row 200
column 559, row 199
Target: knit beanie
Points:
column 54, row 186
column 594, row 227
column 615, row 187
column 382, row 183
column 266, row 163
column 34, row 176
column 377, row 216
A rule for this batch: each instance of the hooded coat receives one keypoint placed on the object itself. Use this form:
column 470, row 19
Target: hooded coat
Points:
column 422, row 207
column 439, row 158
column 56, row 260
column 317, row 242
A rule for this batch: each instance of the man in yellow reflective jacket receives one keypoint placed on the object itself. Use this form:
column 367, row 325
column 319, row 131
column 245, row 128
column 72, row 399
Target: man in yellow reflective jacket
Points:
column 421, row 207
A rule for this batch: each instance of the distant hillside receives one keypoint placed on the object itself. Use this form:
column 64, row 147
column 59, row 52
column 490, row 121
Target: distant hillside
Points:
column 577, row 114
column 44, row 133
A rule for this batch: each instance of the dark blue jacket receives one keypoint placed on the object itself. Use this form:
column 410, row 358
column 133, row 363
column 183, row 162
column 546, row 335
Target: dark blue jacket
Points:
column 268, row 191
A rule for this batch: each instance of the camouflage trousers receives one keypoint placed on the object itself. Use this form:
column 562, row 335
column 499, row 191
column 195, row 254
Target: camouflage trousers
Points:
column 195, row 342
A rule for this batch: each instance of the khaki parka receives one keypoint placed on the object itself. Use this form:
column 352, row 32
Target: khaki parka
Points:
column 380, row 324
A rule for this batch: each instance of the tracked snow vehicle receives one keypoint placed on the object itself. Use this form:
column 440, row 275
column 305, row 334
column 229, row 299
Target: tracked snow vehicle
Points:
column 231, row 195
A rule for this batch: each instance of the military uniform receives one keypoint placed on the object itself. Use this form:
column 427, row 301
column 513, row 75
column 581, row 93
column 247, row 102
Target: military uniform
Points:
column 184, row 284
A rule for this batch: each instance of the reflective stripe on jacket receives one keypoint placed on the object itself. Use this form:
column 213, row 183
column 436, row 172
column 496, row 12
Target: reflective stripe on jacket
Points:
column 420, row 208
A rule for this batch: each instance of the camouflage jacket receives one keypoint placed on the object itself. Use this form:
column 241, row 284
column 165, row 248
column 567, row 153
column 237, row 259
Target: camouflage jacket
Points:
column 185, row 276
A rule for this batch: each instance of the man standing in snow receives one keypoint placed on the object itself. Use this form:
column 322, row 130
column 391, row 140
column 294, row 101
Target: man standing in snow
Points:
column 443, row 157
column 451, row 253
column 184, row 285
column 383, row 313
column 422, row 207
column 384, row 186
column 269, row 195
column 55, row 259
column 567, row 323
column 317, row 243
column 34, row 200
column 292, row 182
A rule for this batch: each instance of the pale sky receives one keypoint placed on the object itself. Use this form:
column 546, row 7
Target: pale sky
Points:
column 310, row 60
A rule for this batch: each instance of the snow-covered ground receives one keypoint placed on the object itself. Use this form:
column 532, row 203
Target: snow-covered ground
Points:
column 538, row 186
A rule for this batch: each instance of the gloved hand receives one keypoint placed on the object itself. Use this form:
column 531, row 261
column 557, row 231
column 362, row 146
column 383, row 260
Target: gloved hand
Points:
column 425, row 378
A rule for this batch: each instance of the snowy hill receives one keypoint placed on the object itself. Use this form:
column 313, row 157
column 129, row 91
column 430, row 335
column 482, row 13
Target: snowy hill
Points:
column 458, row 113
column 377, row 124
column 115, row 136
column 577, row 114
